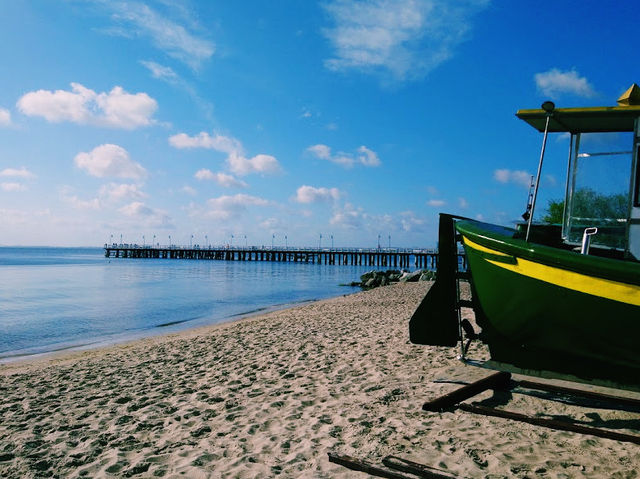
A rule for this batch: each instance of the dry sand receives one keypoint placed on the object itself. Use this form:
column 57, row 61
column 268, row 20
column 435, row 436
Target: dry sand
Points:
column 269, row 396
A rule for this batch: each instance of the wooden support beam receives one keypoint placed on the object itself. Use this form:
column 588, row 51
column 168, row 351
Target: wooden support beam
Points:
column 364, row 466
column 420, row 470
column 550, row 423
column 494, row 381
column 625, row 401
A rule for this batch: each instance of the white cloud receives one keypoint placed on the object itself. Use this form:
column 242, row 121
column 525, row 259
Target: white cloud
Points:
column 166, row 34
column 136, row 208
column 78, row 203
column 109, row 161
column 147, row 216
column 189, row 190
column 222, row 179
column 410, row 222
column 364, row 156
column 463, row 203
column 225, row 207
column 17, row 173
column 12, row 187
column 122, row 191
column 436, row 203
column 518, row 177
column 554, row 83
column 237, row 162
column 368, row 157
column 161, row 72
column 5, row 117
column 403, row 38
column 274, row 225
column 224, row 144
column 310, row 194
column 116, row 109
column 320, row 151
column 240, row 165
column 348, row 217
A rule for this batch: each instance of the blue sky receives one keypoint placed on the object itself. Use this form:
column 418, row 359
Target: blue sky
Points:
column 347, row 118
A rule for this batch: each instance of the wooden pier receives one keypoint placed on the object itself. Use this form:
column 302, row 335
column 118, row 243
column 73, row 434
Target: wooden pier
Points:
column 386, row 257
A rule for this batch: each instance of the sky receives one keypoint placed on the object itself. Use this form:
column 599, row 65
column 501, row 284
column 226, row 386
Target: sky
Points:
column 296, row 122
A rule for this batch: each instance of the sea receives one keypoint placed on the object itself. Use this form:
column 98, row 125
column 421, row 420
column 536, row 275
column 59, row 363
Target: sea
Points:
column 55, row 299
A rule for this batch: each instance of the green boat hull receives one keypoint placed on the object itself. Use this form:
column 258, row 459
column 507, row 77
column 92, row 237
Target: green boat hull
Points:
column 545, row 309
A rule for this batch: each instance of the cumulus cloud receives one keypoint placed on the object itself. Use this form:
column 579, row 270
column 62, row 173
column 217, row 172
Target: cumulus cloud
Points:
column 554, row 83
column 5, row 117
column 17, row 173
column 463, row 203
column 368, row 157
column 240, row 165
column 147, row 216
column 227, row 181
column 402, row 38
column 109, row 161
column 189, row 190
column 236, row 160
column 12, row 187
column 364, row 156
column 409, row 222
column 137, row 208
column 175, row 38
column 436, row 203
column 310, row 194
column 203, row 139
column 67, row 194
column 348, row 217
column 115, row 109
column 320, row 151
column 225, row 207
column 518, row 177
column 274, row 225
column 122, row 191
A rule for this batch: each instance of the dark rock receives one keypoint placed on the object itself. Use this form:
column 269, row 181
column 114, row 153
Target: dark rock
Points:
column 427, row 275
column 411, row 277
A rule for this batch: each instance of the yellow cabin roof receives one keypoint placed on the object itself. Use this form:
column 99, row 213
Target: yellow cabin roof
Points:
column 589, row 120
column 584, row 120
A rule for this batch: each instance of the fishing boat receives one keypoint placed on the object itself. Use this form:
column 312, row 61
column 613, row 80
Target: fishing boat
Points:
column 554, row 300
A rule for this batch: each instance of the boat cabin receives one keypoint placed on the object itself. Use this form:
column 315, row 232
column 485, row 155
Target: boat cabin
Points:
column 602, row 199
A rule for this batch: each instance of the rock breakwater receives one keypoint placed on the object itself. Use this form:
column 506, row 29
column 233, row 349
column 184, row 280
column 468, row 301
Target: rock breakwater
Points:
column 376, row 278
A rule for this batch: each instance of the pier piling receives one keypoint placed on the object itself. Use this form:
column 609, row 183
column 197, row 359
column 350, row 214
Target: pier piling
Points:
column 386, row 258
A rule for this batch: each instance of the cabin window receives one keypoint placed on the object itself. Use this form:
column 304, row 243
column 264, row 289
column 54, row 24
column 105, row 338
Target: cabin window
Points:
column 598, row 192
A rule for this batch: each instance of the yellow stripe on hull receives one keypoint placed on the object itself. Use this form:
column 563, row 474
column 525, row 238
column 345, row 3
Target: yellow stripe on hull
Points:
column 600, row 287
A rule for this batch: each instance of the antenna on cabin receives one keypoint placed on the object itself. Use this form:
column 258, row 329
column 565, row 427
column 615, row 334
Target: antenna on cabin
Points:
column 527, row 212
column 548, row 107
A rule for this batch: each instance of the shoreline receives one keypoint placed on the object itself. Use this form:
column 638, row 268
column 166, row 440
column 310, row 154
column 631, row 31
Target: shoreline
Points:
column 272, row 394
column 14, row 357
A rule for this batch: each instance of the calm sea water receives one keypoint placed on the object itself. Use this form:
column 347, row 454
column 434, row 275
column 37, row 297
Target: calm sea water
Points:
column 64, row 298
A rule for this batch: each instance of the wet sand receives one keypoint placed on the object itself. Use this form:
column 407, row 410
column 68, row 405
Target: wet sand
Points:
column 270, row 395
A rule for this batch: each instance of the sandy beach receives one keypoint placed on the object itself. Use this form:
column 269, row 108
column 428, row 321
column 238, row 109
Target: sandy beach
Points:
column 270, row 395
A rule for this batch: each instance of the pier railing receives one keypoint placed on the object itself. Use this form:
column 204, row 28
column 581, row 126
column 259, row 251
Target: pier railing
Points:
column 386, row 257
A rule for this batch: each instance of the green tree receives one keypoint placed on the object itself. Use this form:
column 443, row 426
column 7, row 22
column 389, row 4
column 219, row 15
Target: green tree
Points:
column 554, row 211
column 588, row 203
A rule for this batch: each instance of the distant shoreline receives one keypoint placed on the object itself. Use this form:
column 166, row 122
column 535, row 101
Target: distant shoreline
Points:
column 15, row 357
